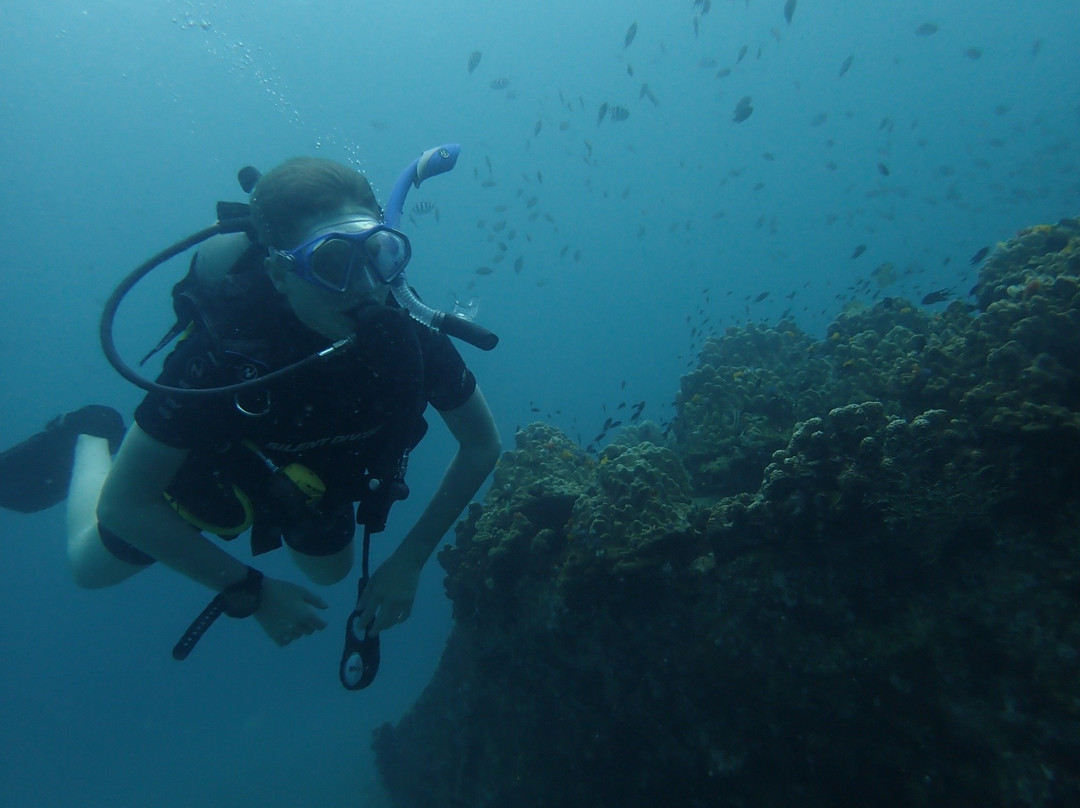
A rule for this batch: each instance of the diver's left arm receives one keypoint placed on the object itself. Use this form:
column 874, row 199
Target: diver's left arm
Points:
column 389, row 595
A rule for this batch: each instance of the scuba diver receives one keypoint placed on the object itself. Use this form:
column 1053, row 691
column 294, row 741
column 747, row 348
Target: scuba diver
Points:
column 287, row 409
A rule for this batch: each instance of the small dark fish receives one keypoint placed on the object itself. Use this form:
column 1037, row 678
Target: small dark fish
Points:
column 846, row 66
column 618, row 113
column 939, row 296
column 601, row 113
column 819, row 119
column 474, row 60
column 973, row 53
column 743, row 110
column 500, row 83
column 761, row 297
column 926, row 29
column 859, row 251
column 537, row 128
column 631, row 32
column 420, row 208
column 519, row 262
column 723, row 72
column 484, row 270
column 742, row 53
column 883, row 169
column 979, row 256
column 789, row 10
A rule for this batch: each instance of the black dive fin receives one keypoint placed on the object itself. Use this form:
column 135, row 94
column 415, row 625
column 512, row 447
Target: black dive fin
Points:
column 35, row 474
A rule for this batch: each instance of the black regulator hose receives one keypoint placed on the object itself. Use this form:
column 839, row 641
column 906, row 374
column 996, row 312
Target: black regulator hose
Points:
column 108, row 319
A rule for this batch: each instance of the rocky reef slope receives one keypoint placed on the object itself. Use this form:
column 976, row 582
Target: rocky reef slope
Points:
column 849, row 575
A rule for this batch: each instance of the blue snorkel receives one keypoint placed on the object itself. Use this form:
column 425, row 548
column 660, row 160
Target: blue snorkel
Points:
column 430, row 164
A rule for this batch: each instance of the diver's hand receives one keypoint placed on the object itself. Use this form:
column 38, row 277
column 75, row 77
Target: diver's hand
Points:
column 285, row 611
column 388, row 596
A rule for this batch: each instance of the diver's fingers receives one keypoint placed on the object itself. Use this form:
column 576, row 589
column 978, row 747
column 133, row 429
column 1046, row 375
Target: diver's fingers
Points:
column 388, row 617
column 367, row 614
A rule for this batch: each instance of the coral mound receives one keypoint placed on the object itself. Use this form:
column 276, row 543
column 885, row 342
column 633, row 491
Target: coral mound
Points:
column 851, row 578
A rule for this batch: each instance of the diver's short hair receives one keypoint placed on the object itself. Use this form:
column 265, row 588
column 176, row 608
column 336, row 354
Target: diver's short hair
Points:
column 300, row 189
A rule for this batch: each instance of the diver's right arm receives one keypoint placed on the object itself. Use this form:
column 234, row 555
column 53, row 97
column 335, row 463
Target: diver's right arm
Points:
column 132, row 507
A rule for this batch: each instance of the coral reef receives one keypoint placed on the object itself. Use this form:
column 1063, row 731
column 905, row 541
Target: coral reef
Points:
column 853, row 577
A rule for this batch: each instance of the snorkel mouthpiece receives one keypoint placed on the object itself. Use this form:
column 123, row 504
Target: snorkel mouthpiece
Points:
column 430, row 164
column 453, row 325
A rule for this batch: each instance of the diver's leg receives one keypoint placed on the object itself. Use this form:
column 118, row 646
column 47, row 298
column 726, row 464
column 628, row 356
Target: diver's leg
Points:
column 325, row 569
column 92, row 565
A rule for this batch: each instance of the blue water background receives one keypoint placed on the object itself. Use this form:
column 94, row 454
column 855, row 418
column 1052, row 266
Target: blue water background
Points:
column 124, row 122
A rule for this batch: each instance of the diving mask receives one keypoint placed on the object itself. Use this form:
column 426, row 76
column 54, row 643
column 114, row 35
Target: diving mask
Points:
column 336, row 253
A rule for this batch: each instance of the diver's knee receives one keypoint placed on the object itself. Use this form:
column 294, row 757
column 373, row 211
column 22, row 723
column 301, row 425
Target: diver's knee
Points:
column 325, row 570
column 325, row 575
column 94, row 566
column 87, row 578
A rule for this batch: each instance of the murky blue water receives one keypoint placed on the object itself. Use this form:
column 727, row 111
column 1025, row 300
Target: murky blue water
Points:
column 125, row 122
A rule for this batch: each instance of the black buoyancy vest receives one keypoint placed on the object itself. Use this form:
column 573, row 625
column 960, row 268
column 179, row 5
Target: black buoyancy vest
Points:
column 234, row 308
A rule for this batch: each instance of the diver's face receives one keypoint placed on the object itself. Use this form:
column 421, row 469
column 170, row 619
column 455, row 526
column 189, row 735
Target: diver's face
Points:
column 328, row 311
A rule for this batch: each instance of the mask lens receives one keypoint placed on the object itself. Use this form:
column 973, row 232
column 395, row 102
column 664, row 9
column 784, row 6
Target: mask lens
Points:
column 387, row 253
column 331, row 263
